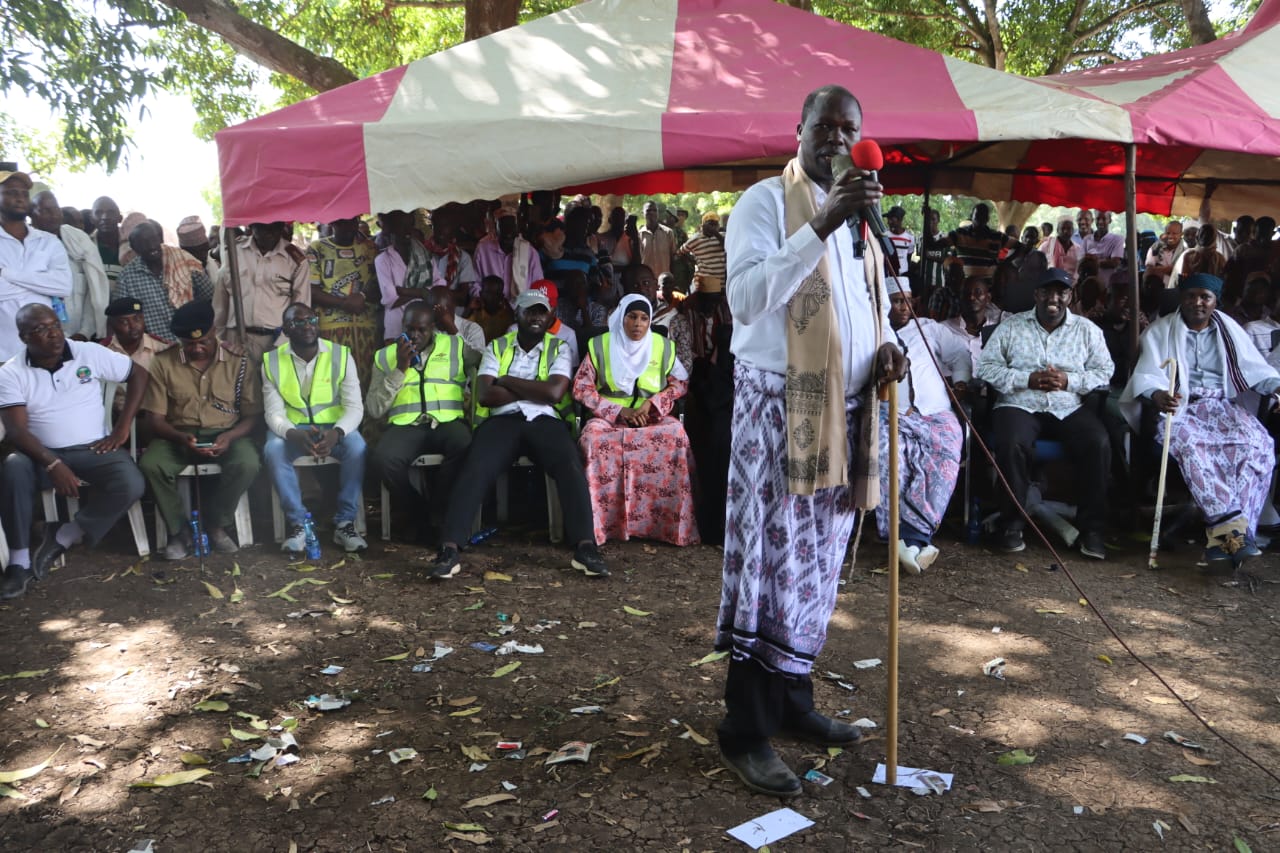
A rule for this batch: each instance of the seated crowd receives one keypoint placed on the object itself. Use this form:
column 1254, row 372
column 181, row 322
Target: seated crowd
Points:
column 600, row 350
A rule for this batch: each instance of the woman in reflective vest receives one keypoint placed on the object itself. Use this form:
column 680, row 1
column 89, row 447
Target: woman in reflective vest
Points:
column 636, row 455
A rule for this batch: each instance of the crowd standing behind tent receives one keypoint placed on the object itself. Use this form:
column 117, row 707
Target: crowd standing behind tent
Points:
column 598, row 343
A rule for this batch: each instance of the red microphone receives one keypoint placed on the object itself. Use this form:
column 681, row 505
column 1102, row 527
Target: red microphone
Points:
column 868, row 157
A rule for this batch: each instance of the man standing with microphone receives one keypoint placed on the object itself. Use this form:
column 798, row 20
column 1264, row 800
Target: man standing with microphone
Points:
column 811, row 332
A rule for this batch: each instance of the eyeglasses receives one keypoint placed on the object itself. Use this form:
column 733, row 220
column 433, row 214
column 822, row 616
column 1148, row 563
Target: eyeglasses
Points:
column 44, row 330
column 303, row 323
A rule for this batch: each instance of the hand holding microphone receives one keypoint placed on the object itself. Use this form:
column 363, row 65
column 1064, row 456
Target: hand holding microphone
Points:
column 853, row 191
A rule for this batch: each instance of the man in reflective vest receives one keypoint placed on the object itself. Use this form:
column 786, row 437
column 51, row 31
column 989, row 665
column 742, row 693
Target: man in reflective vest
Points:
column 419, row 386
column 522, row 405
column 312, row 398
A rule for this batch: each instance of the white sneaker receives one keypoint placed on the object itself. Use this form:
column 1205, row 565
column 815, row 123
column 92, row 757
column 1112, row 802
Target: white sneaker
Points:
column 907, row 555
column 926, row 557
column 345, row 535
column 295, row 540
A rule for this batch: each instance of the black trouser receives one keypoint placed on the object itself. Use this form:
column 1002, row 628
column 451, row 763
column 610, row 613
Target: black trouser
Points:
column 115, row 484
column 1088, row 450
column 495, row 446
column 758, row 704
column 400, row 445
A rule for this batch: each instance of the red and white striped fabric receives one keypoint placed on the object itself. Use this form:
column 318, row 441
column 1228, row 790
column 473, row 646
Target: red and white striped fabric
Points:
column 626, row 96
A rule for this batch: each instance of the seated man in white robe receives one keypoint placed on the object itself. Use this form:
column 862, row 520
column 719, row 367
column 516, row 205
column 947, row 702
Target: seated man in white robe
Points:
column 1223, row 452
column 929, row 435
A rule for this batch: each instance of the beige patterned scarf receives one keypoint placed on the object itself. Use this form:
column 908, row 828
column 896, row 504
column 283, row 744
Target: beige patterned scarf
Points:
column 817, row 439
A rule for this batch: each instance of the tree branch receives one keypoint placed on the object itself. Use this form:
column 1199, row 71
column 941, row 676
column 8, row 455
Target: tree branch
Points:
column 1085, row 54
column 1115, row 18
column 423, row 4
column 264, row 45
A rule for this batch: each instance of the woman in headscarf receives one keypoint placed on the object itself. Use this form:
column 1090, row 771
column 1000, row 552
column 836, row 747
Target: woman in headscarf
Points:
column 637, row 457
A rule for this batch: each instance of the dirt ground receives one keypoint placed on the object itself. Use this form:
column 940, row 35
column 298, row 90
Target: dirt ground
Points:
column 125, row 651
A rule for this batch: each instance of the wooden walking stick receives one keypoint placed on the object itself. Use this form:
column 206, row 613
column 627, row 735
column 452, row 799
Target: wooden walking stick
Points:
column 889, row 391
column 1164, row 464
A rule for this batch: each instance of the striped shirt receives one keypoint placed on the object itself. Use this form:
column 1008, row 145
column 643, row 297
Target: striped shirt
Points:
column 708, row 254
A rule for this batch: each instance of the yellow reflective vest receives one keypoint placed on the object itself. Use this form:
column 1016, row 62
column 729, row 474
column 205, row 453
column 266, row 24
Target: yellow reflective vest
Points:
column 662, row 361
column 433, row 388
column 504, row 349
column 324, row 404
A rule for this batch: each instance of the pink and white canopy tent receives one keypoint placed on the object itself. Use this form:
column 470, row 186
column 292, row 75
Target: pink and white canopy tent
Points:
column 680, row 94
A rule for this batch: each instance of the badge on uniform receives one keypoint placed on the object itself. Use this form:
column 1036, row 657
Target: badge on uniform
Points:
column 84, row 374
column 195, row 334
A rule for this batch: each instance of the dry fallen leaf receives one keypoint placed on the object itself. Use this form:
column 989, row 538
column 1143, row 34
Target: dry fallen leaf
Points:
column 986, row 806
column 490, row 800
column 1198, row 760
column 695, row 737
column 168, row 780
column 27, row 772
column 941, row 712
column 462, row 702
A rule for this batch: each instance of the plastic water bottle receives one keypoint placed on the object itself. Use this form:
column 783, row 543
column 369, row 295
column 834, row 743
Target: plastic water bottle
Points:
column 482, row 535
column 313, row 541
column 199, row 540
column 60, row 308
column 974, row 533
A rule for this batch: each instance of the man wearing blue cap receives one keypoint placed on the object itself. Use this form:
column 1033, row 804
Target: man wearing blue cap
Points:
column 1225, row 455
column 1042, row 363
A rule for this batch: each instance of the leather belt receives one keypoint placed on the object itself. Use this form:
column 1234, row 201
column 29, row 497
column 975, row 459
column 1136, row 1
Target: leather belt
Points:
column 261, row 330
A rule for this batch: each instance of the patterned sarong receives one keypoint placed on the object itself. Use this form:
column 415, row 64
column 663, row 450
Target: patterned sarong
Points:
column 928, row 465
column 782, row 552
column 1225, row 456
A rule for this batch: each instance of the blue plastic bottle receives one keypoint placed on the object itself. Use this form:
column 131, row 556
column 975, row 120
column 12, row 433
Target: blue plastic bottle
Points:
column 313, row 541
column 974, row 533
column 199, row 540
column 60, row 308
column 482, row 535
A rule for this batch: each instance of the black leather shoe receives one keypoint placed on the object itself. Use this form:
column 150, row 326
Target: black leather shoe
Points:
column 48, row 552
column 763, row 771
column 824, row 731
column 15, row 582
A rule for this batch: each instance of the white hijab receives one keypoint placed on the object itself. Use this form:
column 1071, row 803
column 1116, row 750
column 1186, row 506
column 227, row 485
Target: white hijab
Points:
column 627, row 358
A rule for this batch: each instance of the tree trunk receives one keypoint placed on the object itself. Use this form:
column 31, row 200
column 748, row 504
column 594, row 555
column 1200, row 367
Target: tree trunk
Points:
column 1015, row 213
column 806, row 5
column 485, row 17
column 1198, row 21
column 263, row 45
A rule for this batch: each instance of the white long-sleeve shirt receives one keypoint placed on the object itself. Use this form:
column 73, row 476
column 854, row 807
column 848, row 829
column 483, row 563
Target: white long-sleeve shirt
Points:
column 33, row 269
column 276, row 413
column 90, row 291
column 923, row 386
column 766, row 268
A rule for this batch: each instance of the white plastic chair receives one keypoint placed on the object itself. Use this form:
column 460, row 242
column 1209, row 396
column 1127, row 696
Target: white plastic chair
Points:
column 137, row 521
column 277, row 514
column 244, row 522
column 555, row 514
column 427, row 460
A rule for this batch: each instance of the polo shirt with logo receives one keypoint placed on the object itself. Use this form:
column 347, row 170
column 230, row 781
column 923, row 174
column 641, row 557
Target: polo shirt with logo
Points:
column 64, row 406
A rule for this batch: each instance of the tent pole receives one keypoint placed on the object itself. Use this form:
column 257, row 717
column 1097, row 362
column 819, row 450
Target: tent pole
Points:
column 1131, row 246
column 926, row 266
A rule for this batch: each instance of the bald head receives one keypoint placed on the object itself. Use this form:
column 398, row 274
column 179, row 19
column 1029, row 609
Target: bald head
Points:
column 46, row 215
column 33, row 314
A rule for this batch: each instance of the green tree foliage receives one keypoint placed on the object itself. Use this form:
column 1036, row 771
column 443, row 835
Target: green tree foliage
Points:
column 1030, row 37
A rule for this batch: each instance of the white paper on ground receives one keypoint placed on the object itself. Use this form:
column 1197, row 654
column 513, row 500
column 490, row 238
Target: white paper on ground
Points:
column 911, row 777
column 770, row 828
